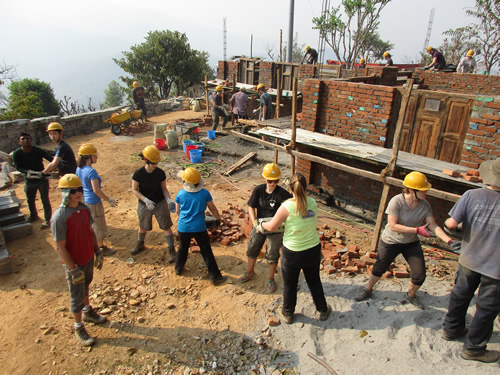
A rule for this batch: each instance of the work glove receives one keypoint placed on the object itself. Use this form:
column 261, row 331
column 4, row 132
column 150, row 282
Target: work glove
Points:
column 423, row 231
column 77, row 276
column 112, row 202
column 171, row 205
column 455, row 246
column 259, row 228
column 149, row 204
column 255, row 223
column 99, row 260
column 217, row 223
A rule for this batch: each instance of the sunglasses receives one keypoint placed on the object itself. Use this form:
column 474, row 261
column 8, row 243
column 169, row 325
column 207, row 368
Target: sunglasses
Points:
column 74, row 191
column 272, row 181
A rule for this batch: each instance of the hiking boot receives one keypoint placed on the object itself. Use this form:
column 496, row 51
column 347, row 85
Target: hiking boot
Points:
column 45, row 225
column 415, row 301
column 138, row 248
column 32, row 218
column 171, row 253
column 448, row 336
column 246, row 277
column 287, row 318
column 271, row 286
column 93, row 316
column 106, row 251
column 364, row 294
column 323, row 315
column 84, row 338
column 219, row 280
column 488, row 356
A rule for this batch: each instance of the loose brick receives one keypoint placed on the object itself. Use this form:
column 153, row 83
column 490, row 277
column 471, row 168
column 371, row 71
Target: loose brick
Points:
column 352, row 248
column 472, row 178
column 401, row 274
column 451, row 173
column 353, row 269
column 226, row 241
column 273, row 321
column 360, row 263
column 372, row 254
column 329, row 269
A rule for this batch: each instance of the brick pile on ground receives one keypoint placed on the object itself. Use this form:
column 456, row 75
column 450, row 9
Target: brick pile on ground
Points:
column 206, row 120
column 135, row 129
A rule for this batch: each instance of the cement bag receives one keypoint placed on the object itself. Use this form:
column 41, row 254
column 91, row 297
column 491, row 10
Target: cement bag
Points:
column 160, row 131
column 196, row 105
column 172, row 140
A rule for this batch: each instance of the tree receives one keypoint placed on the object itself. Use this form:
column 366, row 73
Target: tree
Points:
column 456, row 46
column 30, row 98
column 113, row 95
column 372, row 48
column 165, row 59
column 7, row 73
column 297, row 52
column 346, row 37
column 485, row 34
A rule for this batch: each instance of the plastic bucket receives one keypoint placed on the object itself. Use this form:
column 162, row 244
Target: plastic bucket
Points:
column 189, row 148
column 201, row 146
column 211, row 134
column 195, row 156
column 185, row 143
column 160, row 144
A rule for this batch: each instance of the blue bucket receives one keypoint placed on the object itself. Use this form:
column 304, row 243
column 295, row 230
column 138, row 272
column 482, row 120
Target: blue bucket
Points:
column 211, row 134
column 195, row 156
column 185, row 143
column 201, row 146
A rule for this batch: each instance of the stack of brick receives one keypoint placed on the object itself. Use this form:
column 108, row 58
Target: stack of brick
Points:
column 471, row 175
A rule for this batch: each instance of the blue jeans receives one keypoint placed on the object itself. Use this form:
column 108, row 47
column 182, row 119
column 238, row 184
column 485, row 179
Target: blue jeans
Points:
column 30, row 189
column 487, row 308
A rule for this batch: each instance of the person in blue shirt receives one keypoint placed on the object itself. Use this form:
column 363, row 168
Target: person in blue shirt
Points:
column 191, row 203
column 93, row 194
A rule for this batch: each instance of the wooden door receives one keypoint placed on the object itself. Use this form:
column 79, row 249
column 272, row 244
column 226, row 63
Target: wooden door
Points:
column 427, row 126
column 454, row 130
column 407, row 129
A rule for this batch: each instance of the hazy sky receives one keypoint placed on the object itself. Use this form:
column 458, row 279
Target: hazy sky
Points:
column 65, row 42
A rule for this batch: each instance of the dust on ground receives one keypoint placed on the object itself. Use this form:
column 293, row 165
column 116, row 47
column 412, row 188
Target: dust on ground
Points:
column 159, row 322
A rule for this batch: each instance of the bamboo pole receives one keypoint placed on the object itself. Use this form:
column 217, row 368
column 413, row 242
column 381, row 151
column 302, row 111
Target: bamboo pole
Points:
column 392, row 162
column 206, row 95
column 294, row 125
column 278, row 108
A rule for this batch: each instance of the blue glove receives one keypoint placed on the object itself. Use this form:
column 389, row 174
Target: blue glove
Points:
column 455, row 246
column 171, row 205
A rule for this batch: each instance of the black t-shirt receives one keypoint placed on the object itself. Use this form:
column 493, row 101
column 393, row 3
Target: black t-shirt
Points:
column 267, row 204
column 68, row 161
column 138, row 95
column 32, row 160
column 150, row 183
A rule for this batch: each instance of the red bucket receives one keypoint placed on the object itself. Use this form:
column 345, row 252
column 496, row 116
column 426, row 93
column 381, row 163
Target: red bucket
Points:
column 189, row 148
column 160, row 144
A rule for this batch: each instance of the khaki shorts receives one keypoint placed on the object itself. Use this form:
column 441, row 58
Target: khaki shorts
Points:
column 161, row 213
column 274, row 242
column 99, row 224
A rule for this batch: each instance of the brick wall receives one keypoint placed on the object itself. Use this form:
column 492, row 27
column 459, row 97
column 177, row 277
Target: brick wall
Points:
column 460, row 83
column 231, row 67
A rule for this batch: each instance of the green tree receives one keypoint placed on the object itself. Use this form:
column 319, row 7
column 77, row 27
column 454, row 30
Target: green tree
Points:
column 165, row 60
column 346, row 27
column 456, row 46
column 30, row 98
column 372, row 48
column 113, row 95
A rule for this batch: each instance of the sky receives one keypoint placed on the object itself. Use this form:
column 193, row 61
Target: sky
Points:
column 71, row 44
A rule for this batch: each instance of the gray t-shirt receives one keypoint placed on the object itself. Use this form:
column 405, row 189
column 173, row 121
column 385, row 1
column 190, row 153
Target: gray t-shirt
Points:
column 406, row 216
column 479, row 212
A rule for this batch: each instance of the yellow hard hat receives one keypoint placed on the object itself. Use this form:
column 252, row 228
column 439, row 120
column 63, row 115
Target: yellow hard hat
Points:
column 152, row 154
column 470, row 53
column 308, row 48
column 219, row 88
column 135, row 84
column 361, row 60
column 416, row 180
column 429, row 49
column 87, row 149
column 191, row 175
column 70, row 181
column 259, row 86
column 54, row 126
column 271, row 172
column 386, row 53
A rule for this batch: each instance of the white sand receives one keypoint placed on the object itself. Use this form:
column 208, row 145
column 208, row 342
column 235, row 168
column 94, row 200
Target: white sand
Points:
column 401, row 338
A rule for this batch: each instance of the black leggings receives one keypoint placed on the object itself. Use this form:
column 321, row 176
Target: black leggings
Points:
column 413, row 254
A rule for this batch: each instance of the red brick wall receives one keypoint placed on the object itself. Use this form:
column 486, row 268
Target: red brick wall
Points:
column 460, row 83
column 266, row 73
column 231, row 67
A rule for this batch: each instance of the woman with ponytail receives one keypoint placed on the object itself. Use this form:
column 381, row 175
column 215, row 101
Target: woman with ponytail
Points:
column 301, row 248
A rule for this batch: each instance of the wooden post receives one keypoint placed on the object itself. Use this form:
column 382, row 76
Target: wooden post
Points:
column 234, row 91
column 294, row 124
column 278, row 107
column 392, row 162
column 206, row 95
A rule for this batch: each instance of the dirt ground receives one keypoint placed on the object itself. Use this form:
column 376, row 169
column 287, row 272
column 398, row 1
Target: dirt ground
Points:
column 158, row 322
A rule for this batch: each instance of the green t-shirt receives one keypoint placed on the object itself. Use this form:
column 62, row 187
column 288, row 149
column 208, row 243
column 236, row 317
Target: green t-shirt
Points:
column 300, row 231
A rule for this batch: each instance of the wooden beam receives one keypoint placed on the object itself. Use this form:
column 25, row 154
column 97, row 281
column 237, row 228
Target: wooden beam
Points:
column 206, row 95
column 240, row 162
column 294, row 125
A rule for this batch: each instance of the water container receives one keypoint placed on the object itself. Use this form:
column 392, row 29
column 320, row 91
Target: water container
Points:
column 185, row 143
column 195, row 156
column 160, row 144
column 201, row 146
column 189, row 148
column 211, row 134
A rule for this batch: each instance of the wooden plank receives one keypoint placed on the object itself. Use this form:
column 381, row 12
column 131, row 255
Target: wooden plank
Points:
column 244, row 159
column 17, row 217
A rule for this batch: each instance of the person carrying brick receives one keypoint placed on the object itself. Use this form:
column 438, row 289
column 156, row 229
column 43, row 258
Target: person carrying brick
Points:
column 408, row 215
column 28, row 160
column 76, row 246
column 478, row 266
column 313, row 56
column 262, row 205
column 139, row 98
column 64, row 160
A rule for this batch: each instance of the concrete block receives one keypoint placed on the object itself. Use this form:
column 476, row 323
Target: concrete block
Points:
column 18, row 230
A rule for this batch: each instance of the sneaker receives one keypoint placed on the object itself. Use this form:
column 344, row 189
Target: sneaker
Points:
column 106, row 251
column 246, row 277
column 415, row 301
column 445, row 335
column 323, row 315
column 93, row 316
column 84, row 338
column 271, row 286
column 364, row 294
column 45, row 225
column 138, row 248
column 488, row 356
column 219, row 280
column 288, row 319
column 31, row 218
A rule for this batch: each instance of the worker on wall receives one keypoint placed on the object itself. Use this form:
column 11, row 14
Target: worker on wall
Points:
column 138, row 96
column 266, row 103
column 313, row 56
column 388, row 59
column 468, row 63
column 438, row 60
column 478, row 266
column 362, row 63
column 64, row 159
column 218, row 108
column 262, row 205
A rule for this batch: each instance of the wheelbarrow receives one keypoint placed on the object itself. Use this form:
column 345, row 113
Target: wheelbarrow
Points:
column 124, row 119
